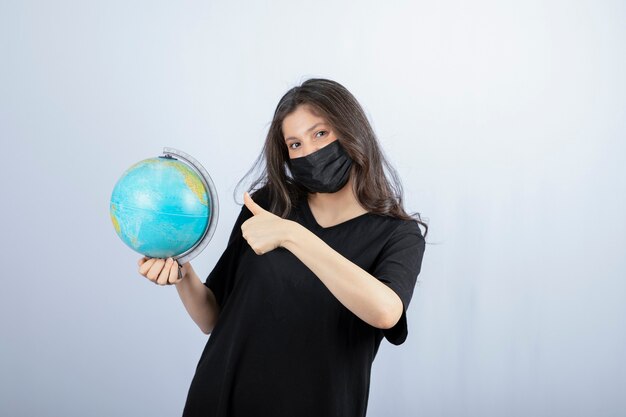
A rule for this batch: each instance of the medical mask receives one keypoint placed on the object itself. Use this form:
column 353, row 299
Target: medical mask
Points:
column 326, row 170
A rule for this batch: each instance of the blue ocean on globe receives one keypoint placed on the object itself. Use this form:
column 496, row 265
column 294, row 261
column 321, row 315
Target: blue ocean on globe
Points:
column 160, row 207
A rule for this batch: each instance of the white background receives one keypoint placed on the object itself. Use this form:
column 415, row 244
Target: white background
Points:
column 505, row 120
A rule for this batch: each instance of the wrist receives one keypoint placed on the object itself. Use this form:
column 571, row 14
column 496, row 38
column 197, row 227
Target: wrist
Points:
column 293, row 232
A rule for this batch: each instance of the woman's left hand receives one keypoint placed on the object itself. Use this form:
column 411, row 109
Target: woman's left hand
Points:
column 264, row 231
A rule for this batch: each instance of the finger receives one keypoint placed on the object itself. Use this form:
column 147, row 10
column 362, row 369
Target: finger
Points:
column 145, row 267
column 244, row 227
column 142, row 260
column 252, row 206
column 165, row 272
column 155, row 269
column 173, row 275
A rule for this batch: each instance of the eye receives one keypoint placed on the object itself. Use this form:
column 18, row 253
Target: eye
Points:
column 320, row 133
column 292, row 145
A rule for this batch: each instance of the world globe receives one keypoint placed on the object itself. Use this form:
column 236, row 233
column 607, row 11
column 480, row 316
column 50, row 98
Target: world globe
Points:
column 163, row 207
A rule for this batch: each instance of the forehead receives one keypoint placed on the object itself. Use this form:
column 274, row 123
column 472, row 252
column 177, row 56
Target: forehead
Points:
column 301, row 119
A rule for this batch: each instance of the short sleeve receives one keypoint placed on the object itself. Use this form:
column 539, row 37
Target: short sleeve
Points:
column 220, row 280
column 398, row 266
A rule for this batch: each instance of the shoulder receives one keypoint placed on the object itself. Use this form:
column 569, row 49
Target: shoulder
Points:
column 409, row 227
column 398, row 234
column 399, row 227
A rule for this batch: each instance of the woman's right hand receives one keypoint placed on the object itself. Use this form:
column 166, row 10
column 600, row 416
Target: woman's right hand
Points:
column 160, row 271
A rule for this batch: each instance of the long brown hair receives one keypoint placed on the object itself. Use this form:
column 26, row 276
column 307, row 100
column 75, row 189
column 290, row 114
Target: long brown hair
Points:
column 375, row 182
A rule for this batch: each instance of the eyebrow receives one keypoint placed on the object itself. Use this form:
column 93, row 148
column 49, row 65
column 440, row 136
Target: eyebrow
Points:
column 308, row 130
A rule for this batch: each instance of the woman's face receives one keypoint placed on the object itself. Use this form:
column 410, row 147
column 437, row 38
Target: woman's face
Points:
column 305, row 133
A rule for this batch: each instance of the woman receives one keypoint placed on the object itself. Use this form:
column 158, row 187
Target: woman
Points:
column 320, row 266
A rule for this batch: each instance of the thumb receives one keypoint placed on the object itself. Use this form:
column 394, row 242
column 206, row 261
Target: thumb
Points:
column 252, row 206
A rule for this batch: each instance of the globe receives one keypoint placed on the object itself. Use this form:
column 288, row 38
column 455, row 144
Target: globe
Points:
column 160, row 207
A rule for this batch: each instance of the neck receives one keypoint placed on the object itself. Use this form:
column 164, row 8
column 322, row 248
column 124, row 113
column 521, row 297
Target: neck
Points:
column 341, row 201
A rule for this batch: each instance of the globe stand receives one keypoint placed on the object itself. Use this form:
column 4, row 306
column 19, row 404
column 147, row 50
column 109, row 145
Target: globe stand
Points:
column 213, row 205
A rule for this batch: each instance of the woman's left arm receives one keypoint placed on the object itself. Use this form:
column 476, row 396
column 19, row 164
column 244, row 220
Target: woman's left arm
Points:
column 359, row 291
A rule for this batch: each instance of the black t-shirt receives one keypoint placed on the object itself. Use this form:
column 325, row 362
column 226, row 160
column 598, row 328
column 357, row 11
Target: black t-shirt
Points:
column 283, row 345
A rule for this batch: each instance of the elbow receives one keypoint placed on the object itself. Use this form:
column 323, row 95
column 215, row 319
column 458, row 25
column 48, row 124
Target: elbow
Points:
column 391, row 315
column 207, row 328
column 387, row 322
column 207, row 324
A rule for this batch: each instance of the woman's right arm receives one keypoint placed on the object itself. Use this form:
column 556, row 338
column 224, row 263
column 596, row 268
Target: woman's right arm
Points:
column 198, row 299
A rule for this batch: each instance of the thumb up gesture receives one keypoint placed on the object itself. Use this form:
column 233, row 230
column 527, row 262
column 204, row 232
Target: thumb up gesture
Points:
column 264, row 231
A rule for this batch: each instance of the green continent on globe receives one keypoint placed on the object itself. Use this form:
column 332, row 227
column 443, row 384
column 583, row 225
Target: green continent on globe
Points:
column 193, row 181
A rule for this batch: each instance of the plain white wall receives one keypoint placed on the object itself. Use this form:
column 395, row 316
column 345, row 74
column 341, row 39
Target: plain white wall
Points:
column 505, row 120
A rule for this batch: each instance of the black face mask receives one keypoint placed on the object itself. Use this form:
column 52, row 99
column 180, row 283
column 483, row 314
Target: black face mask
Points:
column 326, row 170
